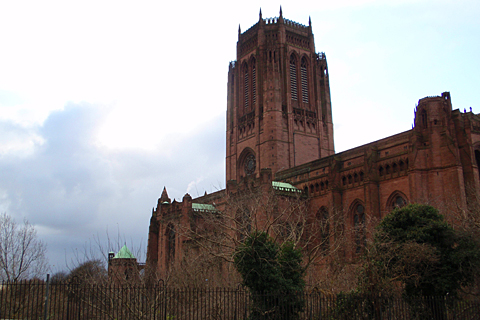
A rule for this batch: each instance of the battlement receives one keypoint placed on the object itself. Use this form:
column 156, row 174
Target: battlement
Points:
column 295, row 24
column 444, row 96
column 273, row 20
column 250, row 31
column 270, row 22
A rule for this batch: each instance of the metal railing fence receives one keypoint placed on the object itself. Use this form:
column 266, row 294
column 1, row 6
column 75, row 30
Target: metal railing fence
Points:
column 75, row 300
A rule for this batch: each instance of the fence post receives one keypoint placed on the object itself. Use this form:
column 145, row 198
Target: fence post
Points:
column 45, row 315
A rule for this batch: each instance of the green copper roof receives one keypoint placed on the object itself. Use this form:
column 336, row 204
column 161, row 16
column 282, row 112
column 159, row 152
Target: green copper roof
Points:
column 283, row 186
column 124, row 253
column 203, row 207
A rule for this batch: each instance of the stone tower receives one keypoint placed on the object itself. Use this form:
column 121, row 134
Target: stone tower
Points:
column 278, row 112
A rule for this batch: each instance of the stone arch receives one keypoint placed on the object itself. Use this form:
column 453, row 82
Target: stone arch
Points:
column 396, row 200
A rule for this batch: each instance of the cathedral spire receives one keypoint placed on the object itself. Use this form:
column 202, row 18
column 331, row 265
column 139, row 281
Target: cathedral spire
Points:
column 281, row 15
column 260, row 15
column 239, row 30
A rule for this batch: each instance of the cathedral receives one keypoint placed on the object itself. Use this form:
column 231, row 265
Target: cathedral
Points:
column 280, row 138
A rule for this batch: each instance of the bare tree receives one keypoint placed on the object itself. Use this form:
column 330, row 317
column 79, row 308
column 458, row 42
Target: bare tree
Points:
column 284, row 214
column 22, row 254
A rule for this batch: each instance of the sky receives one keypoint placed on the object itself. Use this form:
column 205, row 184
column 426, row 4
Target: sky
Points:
column 103, row 103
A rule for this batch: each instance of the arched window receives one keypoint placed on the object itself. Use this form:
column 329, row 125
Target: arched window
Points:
column 355, row 177
column 394, row 167
column 244, row 223
column 250, row 164
column 349, row 179
column 317, row 187
column 311, row 189
column 324, row 227
column 380, row 171
column 401, row 165
column 396, row 200
column 477, row 160
column 322, row 185
column 387, row 169
column 293, row 77
column 361, row 175
column 246, row 89
column 424, row 118
column 359, row 227
column 128, row 273
column 254, row 82
column 400, row 202
column 304, row 76
column 344, row 181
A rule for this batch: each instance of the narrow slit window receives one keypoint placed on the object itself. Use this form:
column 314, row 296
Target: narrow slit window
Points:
column 245, row 87
column 254, row 84
column 293, row 77
column 304, row 73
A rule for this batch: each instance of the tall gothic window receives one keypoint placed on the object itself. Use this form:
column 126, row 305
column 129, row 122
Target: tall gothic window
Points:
column 396, row 200
column 322, row 218
column 293, row 77
column 424, row 118
column 254, row 83
column 171, row 243
column 245, row 86
column 477, row 159
column 304, row 74
column 359, row 227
